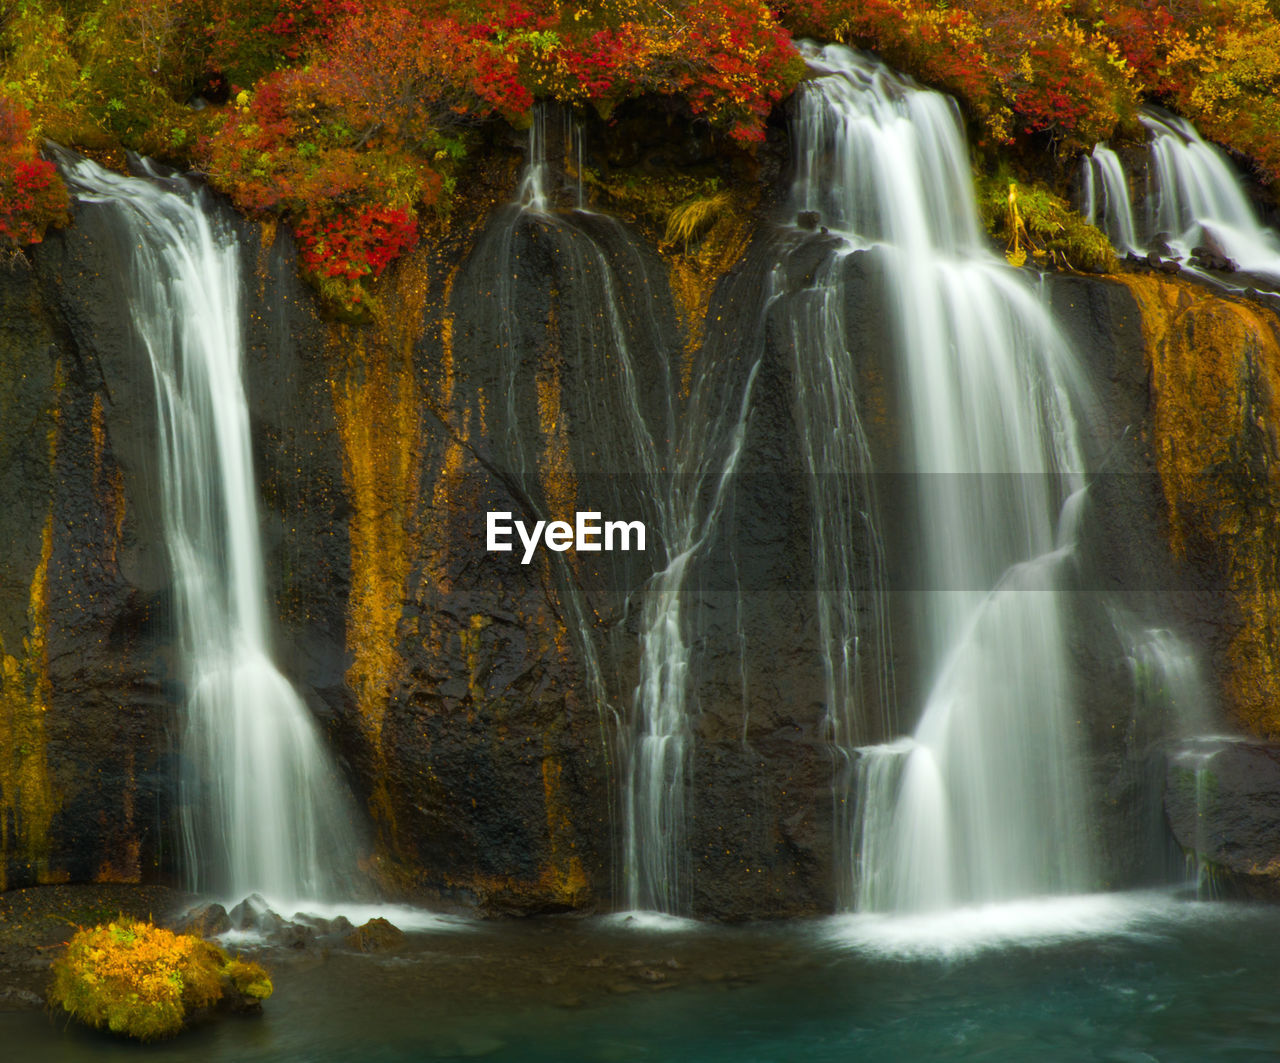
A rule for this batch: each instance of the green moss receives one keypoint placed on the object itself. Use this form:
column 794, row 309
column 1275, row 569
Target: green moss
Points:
column 1030, row 221
column 250, row 979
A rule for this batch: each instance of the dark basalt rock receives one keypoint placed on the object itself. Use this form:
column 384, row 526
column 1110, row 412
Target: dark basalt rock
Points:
column 491, row 776
column 1210, row 255
column 253, row 913
column 205, row 920
column 1222, row 801
column 72, row 434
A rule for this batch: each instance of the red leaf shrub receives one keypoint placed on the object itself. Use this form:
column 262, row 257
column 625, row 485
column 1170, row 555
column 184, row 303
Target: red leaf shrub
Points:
column 32, row 195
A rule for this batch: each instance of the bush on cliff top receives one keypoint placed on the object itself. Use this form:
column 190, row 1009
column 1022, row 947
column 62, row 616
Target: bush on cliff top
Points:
column 354, row 146
column 141, row 981
column 351, row 119
column 1215, row 61
column 1071, row 72
column 1023, row 69
column 32, row 197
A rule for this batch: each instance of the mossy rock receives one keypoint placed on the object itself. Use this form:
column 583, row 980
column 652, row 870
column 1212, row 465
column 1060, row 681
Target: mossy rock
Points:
column 139, row 980
column 1032, row 223
column 377, row 935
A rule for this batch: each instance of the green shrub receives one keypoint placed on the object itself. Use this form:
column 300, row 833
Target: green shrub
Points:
column 1029, row 220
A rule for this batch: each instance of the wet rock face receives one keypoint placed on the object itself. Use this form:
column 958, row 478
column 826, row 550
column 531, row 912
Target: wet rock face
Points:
column 84, row 710
column 453, row 683
column 1222, row 801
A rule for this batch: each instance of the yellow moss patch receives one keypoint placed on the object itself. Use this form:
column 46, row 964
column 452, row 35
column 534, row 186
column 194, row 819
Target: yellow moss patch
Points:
column 564, row 876
column 1214, row 364
column 377, row 409
column 694, row 269
column 141, row 981
column 26, row 795
column 250, row 979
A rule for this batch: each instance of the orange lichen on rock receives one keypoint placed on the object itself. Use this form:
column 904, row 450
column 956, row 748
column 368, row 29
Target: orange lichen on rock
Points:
column 555, row 464
column 564, row 875
column 1214, row 365
column 27, row 801
column 695, row 263
column 377, row 407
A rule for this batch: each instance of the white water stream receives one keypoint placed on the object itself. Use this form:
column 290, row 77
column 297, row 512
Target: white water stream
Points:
column 985, row 800
column 1194, row 198
column 263, row 810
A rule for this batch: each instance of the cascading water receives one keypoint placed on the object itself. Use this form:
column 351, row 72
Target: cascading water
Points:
column 1197, row 197
column 1106, row 200
column 675, row 456
column 1194, row 201
column 1168, row 683
column 846, row 548
column 262, row 809
column 985, row 801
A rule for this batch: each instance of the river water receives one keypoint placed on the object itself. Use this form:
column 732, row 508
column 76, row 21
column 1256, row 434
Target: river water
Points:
column 1125, row 978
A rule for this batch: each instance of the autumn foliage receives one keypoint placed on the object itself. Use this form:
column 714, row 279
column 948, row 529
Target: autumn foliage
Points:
column 1071, row 72
column 354, row 146
column 1023, row 68
column 144, row 982
column 32, row 196
column 1215, row 61
column 353, row 120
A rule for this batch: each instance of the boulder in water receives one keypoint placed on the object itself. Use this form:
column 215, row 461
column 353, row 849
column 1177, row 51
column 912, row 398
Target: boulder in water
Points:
column 1210, row 255
column 294, row 936
column 377, row 935
column 205, row 920
column 253, row 913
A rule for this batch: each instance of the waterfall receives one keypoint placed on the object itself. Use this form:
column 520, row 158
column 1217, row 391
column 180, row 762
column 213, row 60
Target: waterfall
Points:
column 1196, row 758
column 1107, row 203
column 262, row 810
column 639, row 442
column 847, row 551
column 1169, row 688
column 1197, row 198
column 985, row 801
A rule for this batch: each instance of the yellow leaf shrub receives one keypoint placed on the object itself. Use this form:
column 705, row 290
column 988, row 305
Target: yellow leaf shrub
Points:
column 142, row 981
